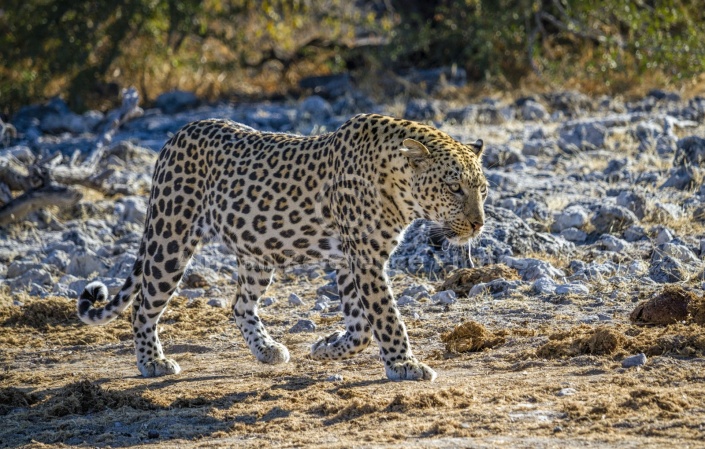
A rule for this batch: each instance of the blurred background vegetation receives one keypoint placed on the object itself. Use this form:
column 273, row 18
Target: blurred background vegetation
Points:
column 86, row 50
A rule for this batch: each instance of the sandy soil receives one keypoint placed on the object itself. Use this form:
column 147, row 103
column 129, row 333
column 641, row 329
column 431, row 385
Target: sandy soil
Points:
column 534, row 377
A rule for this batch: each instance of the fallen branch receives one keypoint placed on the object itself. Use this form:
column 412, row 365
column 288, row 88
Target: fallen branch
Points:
column 47, row 183
column 34, row 200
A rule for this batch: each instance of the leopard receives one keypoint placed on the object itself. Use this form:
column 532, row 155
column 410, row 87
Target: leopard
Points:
column 345, row 197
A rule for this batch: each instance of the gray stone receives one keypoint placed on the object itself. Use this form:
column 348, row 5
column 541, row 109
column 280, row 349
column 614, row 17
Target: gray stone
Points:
column 613, row 219
column 33, row 276
column 594, row 270
column 405, row 300
column 220, row 303
column 64, row 122
column 422, row 110
column 699, row 213
column 134, row 209
column 634, row 201
column 690, row 152
column 294, row 300
column 634, row 360
column 532, row 269
column 532, row 110
column 666, row 270
column 677, row 251
column 176, row 101
column 192, row 293
column 684, row 178
column 267, row 301
column 500, row 156
column 303, row 326
column 666, row 211
column 437, row 77
column 122, row 266
column 315, row 109
column 58, row 259
column 566, row 392
column 85, row 263
column 335, row 378
column 572, row 289
column 20, row 267
column 574, row 235
column 583, row 136
column 444, row 297
column 490, row 115
column 634, row 233
column 637, row 268
column 544, row 286
column 571, row 217
column 329, row 290
column 415, row 290
column 538, row 147
column 612, row 243
column 322, row 303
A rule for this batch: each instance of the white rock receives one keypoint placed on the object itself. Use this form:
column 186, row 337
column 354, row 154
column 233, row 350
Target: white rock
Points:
column 634, row 360
column 192, row 293
column 444, row 297
column 572, row 217
column 303, row 326
column 405, row 300
column 267, row 301
column 221, row 303
column 544, row 286
column 612, row 243
column 575, row 288
column 532, row 269
column 574, row 235
column 566, row 392
column 294, row 300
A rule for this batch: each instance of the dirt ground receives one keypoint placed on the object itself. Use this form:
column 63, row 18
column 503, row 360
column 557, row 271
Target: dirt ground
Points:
column 518, row 372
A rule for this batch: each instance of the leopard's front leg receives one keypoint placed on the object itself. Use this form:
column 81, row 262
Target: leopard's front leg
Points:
column 387, row 325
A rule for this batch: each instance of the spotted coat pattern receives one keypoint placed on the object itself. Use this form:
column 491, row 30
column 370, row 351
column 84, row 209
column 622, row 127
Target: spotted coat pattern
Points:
column 278, row 199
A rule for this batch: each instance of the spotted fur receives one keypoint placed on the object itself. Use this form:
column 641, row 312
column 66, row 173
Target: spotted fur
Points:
column 278, row 199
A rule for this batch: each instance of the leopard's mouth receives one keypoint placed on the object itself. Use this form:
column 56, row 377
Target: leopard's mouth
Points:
column 453, row 236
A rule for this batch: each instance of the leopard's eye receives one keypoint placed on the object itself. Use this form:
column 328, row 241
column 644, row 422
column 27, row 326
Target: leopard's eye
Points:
column 483, row 191
column 455, row 188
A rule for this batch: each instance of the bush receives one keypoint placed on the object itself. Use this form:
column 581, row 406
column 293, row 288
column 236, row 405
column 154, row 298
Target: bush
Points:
column 216, row 47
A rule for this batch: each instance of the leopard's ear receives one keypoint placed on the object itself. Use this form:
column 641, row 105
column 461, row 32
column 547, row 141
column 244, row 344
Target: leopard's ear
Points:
column 477, row 147
column 417, row 152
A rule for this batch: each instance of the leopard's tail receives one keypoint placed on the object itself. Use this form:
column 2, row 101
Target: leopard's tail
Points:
column 97, row 291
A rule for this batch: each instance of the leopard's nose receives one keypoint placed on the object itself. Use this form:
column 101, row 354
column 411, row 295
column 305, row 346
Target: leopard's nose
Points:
column 477, row 225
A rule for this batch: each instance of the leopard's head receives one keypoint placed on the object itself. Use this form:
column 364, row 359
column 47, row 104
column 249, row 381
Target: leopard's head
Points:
column 449, row 185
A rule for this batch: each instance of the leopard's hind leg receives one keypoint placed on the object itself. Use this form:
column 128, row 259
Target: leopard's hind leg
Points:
column 167, row 253
column 357, row 334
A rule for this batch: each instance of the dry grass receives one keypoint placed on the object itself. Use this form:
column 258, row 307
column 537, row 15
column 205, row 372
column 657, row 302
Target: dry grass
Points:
column 58, row 392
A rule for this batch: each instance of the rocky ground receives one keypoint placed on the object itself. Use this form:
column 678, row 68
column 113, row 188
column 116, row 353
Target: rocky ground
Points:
column 596, row 206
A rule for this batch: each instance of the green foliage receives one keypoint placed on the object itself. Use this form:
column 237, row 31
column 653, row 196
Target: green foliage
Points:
column 77, row 46
column 82, row 47
column 507, row 39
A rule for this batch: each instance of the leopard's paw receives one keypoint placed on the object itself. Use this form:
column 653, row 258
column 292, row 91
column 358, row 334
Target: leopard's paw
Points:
column 272, row 353
column 159, row 367
column 410, row 369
